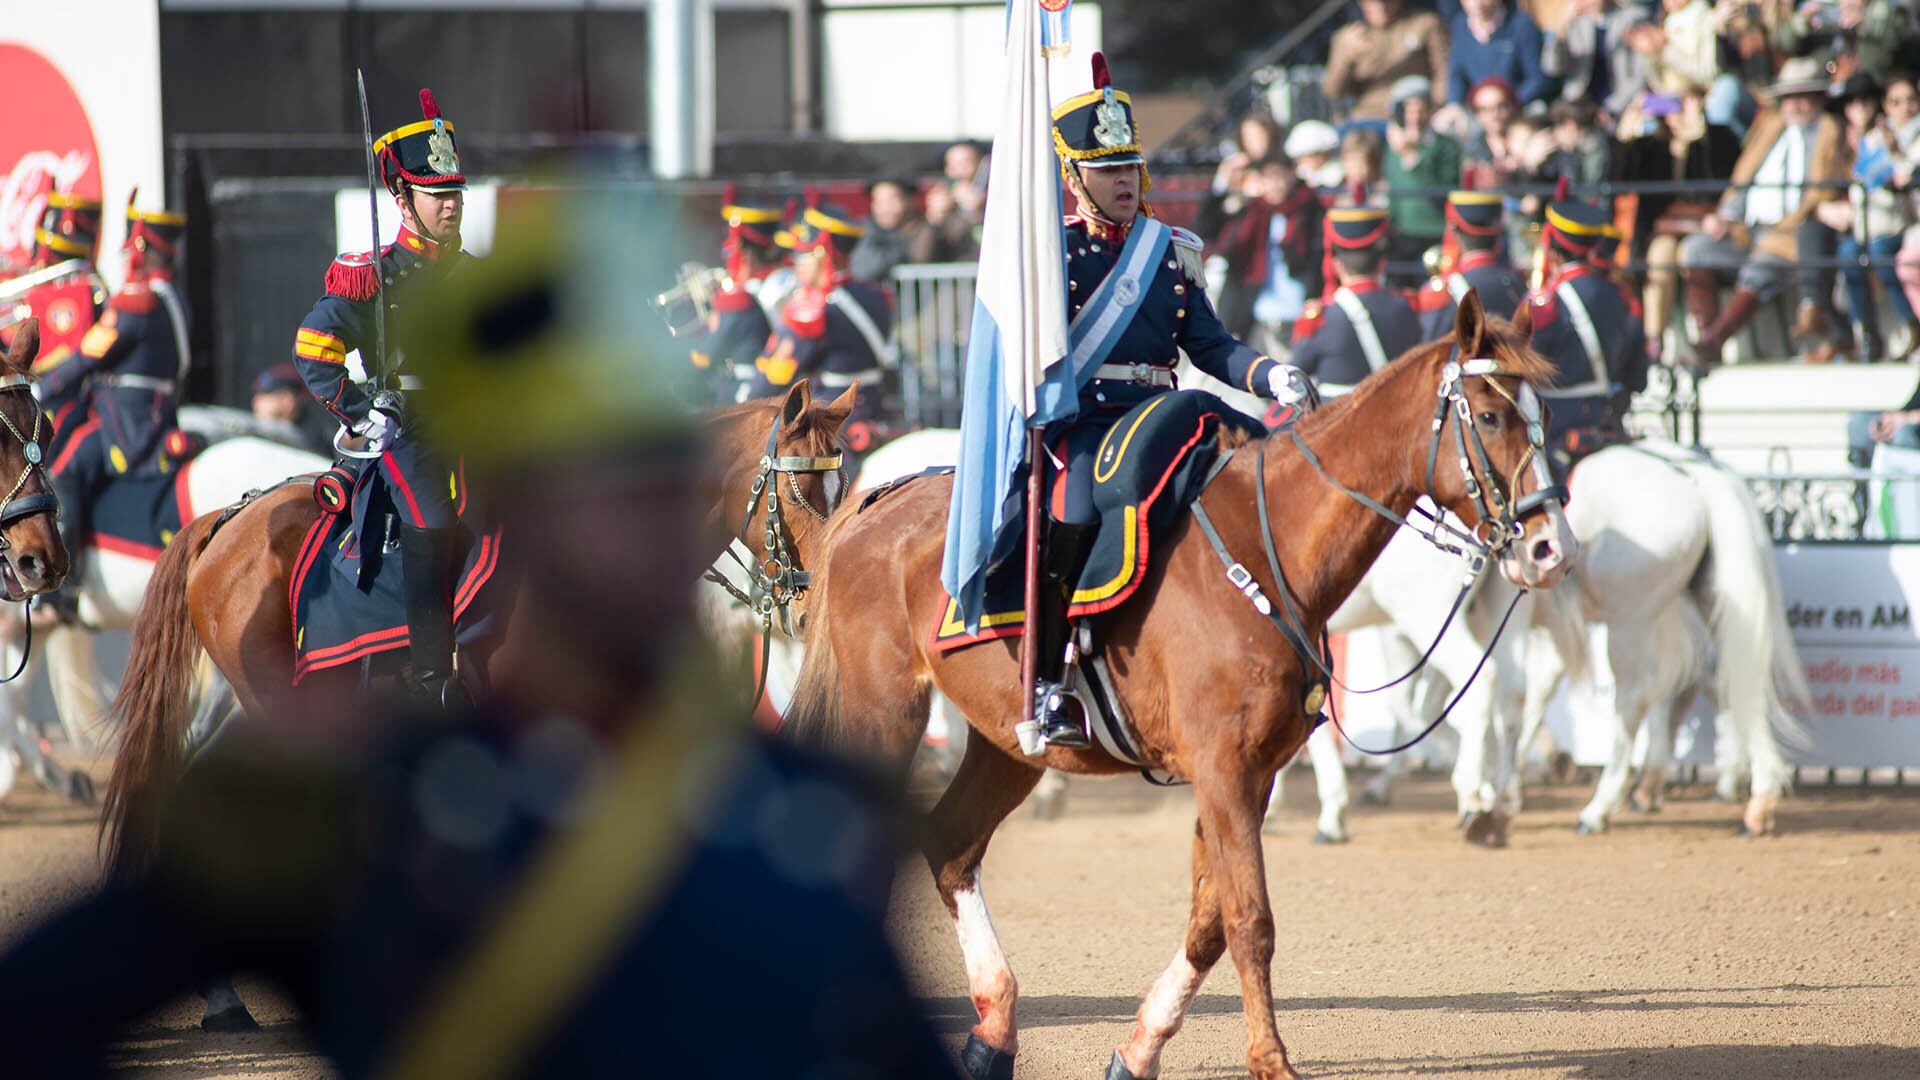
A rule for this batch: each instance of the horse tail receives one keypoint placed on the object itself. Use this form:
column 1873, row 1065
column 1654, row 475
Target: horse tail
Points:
column 152, row 707
column 1759, row 679
column 1562, row 613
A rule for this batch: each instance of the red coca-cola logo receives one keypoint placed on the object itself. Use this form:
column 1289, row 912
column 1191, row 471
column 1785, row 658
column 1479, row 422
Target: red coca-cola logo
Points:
column 46, row 145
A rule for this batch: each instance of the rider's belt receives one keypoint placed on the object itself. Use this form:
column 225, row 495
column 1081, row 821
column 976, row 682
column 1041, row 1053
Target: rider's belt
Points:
column 140, row 382
column 1138, row 374
column 408, row 382
column 840, row 380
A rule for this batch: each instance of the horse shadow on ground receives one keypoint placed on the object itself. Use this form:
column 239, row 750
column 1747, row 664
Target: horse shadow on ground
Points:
column 191, row 1054
column 1748, row 1061
column 955, row 1014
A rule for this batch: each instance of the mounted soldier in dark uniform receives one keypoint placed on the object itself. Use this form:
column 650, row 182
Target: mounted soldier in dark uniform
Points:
column 831, row 328
column 66, row 245
column 741, row 320
column 1584, row 322
column 1475, row 226
column 1123, row 264
column 420, row 165
column 1362, row 325
column 131, row 363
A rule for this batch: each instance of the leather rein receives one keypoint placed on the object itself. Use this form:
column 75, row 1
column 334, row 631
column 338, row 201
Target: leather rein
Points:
column 1500, row 520
column 777, row 579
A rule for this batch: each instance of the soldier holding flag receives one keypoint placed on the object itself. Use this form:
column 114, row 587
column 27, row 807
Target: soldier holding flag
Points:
column 1135, row 299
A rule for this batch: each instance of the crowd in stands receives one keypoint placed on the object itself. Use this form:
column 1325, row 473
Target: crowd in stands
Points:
column 1748, row 150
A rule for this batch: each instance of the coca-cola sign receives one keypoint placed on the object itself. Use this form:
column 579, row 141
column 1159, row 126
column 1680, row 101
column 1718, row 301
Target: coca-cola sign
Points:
column 45, row 145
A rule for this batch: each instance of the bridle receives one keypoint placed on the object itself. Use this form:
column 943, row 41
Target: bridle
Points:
column 1500, row 512
column 776, row 579
column 15, row 507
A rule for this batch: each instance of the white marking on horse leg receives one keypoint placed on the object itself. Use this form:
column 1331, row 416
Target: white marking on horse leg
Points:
column 1161, row 1015
column 989, row 980
column 1330, row 776
column 1613, row 784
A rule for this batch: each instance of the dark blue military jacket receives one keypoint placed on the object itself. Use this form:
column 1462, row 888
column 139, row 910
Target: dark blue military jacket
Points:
column 1502, row 290
column 1175, row 316
column 1330, row 349
column 132, row 357
column 1588, row 389
column 360, row 887
column 821, row 334
column 343, row 319
column 739, row 335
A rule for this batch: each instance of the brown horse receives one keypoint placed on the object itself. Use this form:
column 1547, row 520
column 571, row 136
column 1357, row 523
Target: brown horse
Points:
column 35, row 557
column 1216, row 695
column 223, row 585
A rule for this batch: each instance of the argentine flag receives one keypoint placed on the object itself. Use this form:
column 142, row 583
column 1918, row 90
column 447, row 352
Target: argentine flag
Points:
column 1015, row 376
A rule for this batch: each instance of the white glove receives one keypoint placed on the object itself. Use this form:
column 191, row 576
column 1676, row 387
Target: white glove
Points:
column 1288, row 384
column 375, row 428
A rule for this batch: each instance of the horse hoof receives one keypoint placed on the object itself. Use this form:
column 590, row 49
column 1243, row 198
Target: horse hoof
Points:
column 1118, row 1070
column 80, row 788
column 231, row 1020
column 1465, row 817
column 1321, row 836
column 1583, row 828
column 983, row 1062
column 1561, row 769
column 1485, row 830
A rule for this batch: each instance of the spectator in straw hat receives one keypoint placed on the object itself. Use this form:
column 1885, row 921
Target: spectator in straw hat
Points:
column 1754, row 234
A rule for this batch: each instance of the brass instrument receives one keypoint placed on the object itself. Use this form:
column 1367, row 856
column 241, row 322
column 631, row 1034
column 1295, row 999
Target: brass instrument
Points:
column 686, row 306
column 13, row 313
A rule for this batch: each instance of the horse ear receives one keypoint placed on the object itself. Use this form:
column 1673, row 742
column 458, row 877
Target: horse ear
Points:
column 1470, row 326
column 26, row 346
column 799, row 396
column 1523, row 320
column 835, row 413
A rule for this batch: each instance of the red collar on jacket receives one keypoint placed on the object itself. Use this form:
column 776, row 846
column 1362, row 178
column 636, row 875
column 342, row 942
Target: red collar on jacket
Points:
column 1473, row 260
column 1098, row 228
column 424, row 246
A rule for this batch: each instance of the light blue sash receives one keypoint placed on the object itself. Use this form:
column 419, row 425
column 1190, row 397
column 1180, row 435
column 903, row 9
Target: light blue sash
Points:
column 1110, row 310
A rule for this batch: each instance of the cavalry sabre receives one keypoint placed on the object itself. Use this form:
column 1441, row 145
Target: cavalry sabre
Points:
column 378, row 369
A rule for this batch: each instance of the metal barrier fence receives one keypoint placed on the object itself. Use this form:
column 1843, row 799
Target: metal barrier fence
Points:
column 936, row 316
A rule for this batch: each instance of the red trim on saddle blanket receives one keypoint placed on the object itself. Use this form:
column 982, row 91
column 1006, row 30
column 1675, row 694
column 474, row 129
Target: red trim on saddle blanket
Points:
column 182, row 498
column 393, row 637
column 1138, row 571
column 1136, row 574
column 120, row 545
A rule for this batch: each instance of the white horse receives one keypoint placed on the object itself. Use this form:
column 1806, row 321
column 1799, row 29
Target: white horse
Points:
column 1677, row 566
column 1677, row 572
column 110, row 587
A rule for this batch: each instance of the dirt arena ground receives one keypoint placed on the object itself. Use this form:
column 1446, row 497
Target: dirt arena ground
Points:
column 1667, row 948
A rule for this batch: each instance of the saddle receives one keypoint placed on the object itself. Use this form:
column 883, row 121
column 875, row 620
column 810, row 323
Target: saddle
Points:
column 1151, row 466
column 347, row 589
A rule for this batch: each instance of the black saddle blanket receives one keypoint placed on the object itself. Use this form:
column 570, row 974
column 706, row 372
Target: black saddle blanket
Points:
column 1151, row 465
column 140, row 515
column 348, row 596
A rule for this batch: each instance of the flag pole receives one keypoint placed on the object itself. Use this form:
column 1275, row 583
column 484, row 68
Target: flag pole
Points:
column 1030, row 640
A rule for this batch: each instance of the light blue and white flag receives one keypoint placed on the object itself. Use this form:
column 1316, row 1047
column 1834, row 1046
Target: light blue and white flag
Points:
column 1015, row 378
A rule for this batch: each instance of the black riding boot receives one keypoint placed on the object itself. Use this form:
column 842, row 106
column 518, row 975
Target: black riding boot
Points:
column 1062, row 715
column 425, row 557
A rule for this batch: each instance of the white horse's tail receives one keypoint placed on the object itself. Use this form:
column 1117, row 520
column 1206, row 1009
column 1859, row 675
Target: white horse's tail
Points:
column 1562, row 613
column 1760, row 677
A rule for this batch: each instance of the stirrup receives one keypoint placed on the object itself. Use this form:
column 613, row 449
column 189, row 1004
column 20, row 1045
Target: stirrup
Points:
column 1062, row 716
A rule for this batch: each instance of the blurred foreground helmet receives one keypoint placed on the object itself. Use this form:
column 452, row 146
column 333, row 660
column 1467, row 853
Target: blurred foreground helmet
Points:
column 544, row 348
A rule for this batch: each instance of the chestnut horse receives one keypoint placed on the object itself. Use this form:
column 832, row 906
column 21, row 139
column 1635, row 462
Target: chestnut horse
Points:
column 223, row 585
column 1213, row 690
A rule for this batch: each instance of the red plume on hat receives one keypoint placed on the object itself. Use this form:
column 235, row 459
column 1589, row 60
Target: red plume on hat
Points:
column 1102, row 78
column 429, row 109
column 1561, row 188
